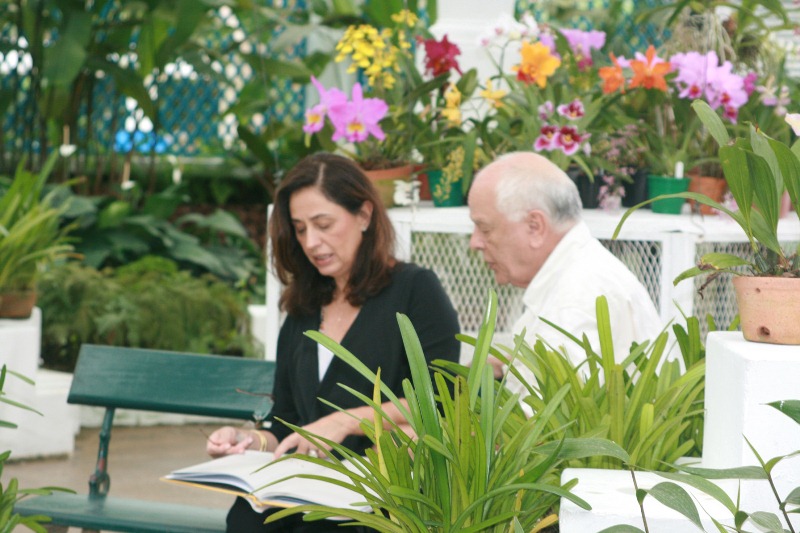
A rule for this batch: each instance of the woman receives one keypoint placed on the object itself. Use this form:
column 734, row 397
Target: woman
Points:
column 332, row 244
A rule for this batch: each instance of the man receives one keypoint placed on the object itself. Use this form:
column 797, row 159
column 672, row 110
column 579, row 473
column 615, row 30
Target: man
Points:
column 528, row 226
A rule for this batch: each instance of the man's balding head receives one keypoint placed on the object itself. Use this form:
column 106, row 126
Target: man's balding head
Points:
column 521, row 204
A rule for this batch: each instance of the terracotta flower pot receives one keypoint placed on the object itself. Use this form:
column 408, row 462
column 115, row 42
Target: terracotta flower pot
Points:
column 384, row 179
column 769, row 308
column 711, row 186
column 17, row 304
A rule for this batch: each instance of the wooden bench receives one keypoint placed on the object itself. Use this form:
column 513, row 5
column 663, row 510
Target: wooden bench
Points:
column 150, row 380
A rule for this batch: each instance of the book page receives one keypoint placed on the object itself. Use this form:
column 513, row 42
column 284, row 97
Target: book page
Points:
column 245, row 472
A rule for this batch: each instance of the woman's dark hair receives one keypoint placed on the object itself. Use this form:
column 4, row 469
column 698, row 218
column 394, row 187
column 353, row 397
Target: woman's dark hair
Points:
column 342, row 182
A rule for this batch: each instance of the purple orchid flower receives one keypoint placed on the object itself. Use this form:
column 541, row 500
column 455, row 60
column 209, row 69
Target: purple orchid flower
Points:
column 315, row 115
column 692, row 77
column 702, row 76
column 582, row 43
column 358, row 119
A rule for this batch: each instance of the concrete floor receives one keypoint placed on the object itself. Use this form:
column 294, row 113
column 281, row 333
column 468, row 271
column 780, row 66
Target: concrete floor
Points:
column 138, row 456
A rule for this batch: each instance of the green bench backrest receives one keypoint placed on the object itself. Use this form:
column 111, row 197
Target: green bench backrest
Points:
column 173, row 382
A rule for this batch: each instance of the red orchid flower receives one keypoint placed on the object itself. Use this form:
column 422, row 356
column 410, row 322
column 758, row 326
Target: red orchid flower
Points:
column 440, row 56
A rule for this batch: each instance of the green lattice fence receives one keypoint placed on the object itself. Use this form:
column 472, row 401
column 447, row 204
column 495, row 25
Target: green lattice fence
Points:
column 585, row 14
column 193, row 106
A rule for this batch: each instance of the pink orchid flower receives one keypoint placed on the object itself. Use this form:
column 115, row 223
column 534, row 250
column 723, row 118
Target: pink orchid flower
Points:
column 568, row 140
column 572, row 111
column 545, row 110
column 358, row 119
column 315, row 115
column 546, row 139
column 582, row 43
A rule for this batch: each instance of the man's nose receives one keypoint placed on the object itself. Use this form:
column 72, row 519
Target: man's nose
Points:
column 475, row 242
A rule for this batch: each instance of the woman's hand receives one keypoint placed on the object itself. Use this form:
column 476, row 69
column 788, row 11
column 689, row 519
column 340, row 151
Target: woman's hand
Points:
column 228, row 440
column 335, row 427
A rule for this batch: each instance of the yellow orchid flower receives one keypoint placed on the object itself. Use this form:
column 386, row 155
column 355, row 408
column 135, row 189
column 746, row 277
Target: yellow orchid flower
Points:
column 452, row 111
column 537, row 64
column 493, row 95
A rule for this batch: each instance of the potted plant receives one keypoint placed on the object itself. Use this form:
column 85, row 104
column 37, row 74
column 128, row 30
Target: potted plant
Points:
column 548, row 100
column 758, row 169
column 31, row 237
column 377, row 123
column 469, row 460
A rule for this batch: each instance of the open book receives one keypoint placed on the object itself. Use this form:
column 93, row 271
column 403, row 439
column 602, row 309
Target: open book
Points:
column 243, row 475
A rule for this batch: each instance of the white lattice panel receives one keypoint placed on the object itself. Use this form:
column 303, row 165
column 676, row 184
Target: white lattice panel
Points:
column 465, row 277
column 718, row 298
column 655, row 247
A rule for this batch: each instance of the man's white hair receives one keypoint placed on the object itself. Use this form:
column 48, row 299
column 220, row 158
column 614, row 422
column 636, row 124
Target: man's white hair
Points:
column 522, row 188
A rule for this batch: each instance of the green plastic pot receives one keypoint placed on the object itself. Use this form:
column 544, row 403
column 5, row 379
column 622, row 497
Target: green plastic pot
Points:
column 444, row 194
column 658, row 185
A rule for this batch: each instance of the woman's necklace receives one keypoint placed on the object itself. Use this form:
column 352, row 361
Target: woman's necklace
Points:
column 336, row 315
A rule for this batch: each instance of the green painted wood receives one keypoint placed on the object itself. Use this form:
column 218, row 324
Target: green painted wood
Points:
column 171, row 382
column 153, row 380
column 118, row 514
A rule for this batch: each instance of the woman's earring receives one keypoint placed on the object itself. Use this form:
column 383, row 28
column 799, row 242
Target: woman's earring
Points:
column 364, row 229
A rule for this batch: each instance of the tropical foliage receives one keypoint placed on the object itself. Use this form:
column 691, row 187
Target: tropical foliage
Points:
column 31, row 234
column 10, row 492
column 758, row 169
column 148, row 304
column 650, row 403
column 676, row 496
column 471, row 460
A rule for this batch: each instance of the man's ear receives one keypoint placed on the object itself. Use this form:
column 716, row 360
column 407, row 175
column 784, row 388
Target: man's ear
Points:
column 538, row 227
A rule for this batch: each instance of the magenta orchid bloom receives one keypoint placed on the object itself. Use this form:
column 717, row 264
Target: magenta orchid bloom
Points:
column 750, row 83
column 568, row 140
column 358, row 119
column 702, row 76
column 546, row 139
column 315, row 115
column 582, row 43
column 572, row 111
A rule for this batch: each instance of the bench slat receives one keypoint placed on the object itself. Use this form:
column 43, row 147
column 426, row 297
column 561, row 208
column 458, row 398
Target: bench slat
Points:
column 193, row 384
column 153, row 380
column 120, row 514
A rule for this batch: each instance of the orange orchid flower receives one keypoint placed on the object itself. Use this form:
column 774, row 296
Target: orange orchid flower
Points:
column 648, row 74
column 613, row 78
column 537, row 64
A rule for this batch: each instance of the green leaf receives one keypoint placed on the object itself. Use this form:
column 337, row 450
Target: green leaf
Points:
column 765, row 232
column 579, row 448
column 767, row 521
column 767, row 187
column 735, row 166
column 675, row 497
column 789, row 165
column 621, row 528
column 704, row 485
column 68, row 53
column 712, row 121
column 793, row 497
column 741, row 472
column 722, row 261
column 790, row 408
column 189, row 14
